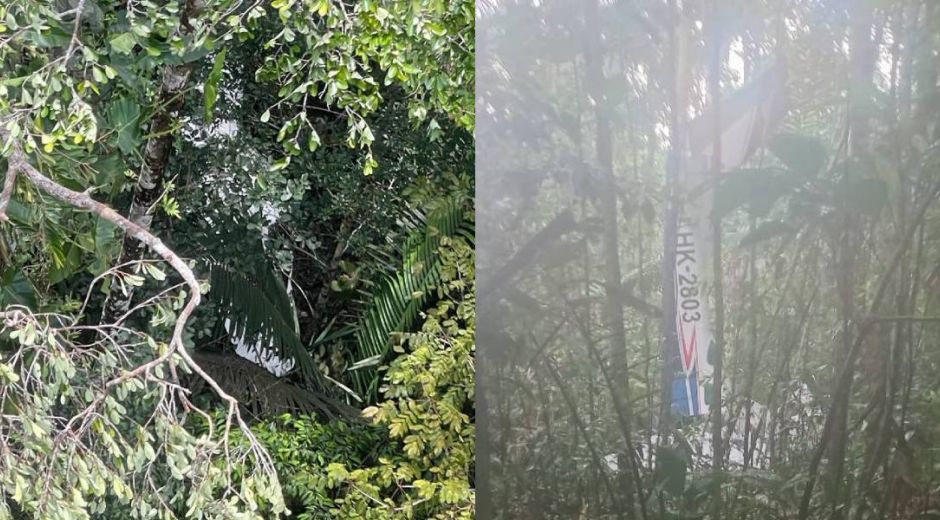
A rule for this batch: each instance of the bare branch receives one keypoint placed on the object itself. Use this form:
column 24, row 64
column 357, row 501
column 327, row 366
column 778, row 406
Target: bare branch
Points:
column 73, row 41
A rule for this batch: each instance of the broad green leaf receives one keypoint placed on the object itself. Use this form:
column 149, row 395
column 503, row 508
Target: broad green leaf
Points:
column 803, row 155
column 109, row 173
column 192, row 54
column 211, row 88
column 105, row 243
column 123, row 43
column 766, row 231
column 155, row 272
column 22, row 214
column 54, row 36
column 67, row 258
column 756, row 188
column 125, row 119
column 16, row 289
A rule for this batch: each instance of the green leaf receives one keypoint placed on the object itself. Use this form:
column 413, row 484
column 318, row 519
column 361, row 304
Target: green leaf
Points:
column 211, row 88
column 72, row 261
column 757, row 188
column 766, row 231
column 259, row 309
column 54, row 36
column 16, row 289
column 109, row 173
column 192, row 54
column 106, row 244
column 125, row 119
column 314, row 141
column 394, row 308
column 803, row 155
column 155, row 272
column 123, row 43
column 93, row 15
column 22, row 214
column 280, row 164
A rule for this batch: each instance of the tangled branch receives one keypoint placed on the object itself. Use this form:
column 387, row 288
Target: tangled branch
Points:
column 19, row 166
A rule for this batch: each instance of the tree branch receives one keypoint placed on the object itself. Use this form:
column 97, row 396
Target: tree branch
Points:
column 19, row 163
column 905, row 318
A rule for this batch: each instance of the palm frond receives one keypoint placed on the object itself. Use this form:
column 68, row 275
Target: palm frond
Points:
column 397, row 301
column 261, row 393
column 259, row 311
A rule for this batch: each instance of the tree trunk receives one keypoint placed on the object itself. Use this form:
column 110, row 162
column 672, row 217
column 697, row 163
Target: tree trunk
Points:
column 862, row 61
column 150, row 181
column 714, row 91
column 881, row 442
column 613, row 309
column 677, row 103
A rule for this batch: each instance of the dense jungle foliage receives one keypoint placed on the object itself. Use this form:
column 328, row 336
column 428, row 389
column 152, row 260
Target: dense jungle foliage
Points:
column 825, row 298
column 236, row 259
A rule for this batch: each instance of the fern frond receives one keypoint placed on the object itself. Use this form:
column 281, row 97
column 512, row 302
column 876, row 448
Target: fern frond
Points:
column 398, row 299
column 259, row 311
column 261, row 393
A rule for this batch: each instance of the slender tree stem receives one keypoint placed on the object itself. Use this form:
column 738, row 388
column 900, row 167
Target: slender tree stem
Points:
column 714, row 89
